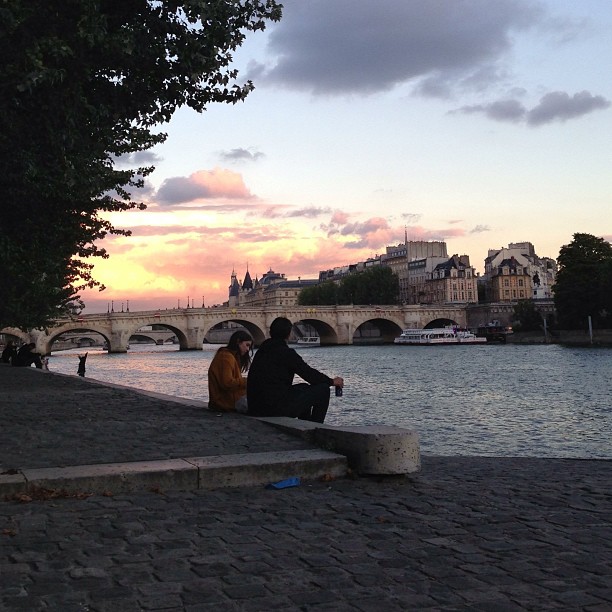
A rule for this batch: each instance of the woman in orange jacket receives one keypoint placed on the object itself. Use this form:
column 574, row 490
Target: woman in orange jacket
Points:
column 226, row 383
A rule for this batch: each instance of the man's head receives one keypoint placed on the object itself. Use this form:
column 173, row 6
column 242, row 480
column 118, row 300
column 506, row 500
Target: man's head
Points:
column 280, row 328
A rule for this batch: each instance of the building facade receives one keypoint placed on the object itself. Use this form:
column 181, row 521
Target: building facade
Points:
column 515, row 272
column 453, row 281
column 273, row 289
column 403, row 258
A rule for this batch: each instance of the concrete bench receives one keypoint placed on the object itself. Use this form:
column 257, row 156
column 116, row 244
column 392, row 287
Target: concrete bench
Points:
column 369, row 449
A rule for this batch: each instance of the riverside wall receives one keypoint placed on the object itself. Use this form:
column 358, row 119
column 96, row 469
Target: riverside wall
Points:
column 602, row 337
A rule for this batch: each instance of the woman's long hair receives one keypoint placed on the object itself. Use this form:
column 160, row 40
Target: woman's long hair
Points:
column 244, row 361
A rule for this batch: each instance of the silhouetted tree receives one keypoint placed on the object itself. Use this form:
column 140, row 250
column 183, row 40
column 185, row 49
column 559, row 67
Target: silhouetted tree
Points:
column 526, row 316
column 583, row 285
column 82, row 85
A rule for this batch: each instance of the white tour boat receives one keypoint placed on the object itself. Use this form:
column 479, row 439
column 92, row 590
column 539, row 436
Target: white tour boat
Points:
column 309, row 341
column 438, row 335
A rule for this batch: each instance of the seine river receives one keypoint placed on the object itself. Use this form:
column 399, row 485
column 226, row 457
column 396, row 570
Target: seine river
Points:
column 495, row 400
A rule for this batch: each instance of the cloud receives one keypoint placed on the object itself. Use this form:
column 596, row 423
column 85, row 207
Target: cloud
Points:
column 238, row 155
column 140, row 158
column 340, row 217
column 345, row 46
column 309, row 212
column 417, row 233
column 478, row 229
column 559, row 106
column 204, row 184
column 411, row 217
column 554, row 106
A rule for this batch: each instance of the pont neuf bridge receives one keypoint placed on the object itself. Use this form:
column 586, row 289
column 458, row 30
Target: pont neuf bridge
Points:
column 334, row 324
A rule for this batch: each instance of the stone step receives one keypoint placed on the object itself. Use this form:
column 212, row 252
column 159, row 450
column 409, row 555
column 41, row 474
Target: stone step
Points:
column 181, row 474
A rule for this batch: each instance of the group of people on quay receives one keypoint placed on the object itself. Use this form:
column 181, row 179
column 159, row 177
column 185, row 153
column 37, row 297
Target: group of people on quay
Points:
column 26, row 356
column 268, row 391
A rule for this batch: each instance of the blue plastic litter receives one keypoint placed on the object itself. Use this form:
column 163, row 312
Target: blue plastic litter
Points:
column 294, row 481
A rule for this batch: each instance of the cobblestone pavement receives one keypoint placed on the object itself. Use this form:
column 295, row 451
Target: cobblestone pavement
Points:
column 54, row 420
column 463, row 534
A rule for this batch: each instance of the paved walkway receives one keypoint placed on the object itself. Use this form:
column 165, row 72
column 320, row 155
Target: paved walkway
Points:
column 463, row 534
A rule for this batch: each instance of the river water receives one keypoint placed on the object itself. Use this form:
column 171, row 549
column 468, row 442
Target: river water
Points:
column 493, row 400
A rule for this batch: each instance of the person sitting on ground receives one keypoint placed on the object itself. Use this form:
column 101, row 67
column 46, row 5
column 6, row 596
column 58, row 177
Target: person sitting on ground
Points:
column 226, row 383
column 9, row 353
column 26, row 357
column 270, row 388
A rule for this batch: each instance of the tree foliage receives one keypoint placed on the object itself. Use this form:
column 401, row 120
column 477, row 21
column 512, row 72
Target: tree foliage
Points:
column 83, row 84
column 583, row 286
column 376, row 285
column 526, row 316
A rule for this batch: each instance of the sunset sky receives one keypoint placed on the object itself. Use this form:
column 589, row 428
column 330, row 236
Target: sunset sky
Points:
column 470, row 121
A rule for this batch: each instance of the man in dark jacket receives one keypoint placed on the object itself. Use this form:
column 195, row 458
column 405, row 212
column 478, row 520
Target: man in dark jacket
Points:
column 270, row 388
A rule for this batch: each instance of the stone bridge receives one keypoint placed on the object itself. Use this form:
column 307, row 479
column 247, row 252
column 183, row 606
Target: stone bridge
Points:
column 334, row 324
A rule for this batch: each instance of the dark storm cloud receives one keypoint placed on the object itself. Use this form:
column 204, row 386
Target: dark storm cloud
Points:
column 363, row 47
column 554, row 106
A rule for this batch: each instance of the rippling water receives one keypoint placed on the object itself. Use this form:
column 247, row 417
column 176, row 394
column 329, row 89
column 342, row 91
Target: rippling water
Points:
column 509, row 400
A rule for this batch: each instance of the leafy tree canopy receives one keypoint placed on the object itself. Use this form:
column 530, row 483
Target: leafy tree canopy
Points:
column 84, row 83
column 526, row 316
column 583, row 286
column 376, row 285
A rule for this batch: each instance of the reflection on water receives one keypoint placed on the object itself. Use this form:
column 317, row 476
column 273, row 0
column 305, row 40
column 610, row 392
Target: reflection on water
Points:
column 540, row 401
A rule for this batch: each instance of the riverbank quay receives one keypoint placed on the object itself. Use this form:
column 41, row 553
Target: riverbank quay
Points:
column 73, row 433
column 465, row 533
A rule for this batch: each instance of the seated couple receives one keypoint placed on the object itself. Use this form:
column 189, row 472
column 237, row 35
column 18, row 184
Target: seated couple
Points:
column 269, row 387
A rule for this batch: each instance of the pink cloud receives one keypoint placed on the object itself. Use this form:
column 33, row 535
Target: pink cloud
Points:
column 340, row 217
column 204, row 184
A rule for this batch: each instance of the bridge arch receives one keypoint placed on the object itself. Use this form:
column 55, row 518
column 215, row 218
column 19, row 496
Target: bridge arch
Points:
column 387, row 328
column 325, row 331
column 252, row 327
column 45, row 343
column 16, row 335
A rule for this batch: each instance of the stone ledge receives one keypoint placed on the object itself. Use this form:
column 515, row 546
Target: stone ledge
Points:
column 369, row 449
column 179, row 474
column 261, row 468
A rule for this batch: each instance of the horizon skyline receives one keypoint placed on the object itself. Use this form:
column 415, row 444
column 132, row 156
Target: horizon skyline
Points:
column 473, row 126
column 192, row 299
